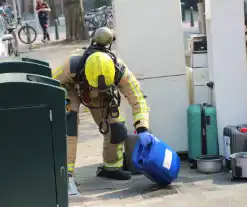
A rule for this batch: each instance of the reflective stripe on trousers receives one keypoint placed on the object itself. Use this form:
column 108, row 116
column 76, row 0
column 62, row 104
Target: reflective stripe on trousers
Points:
column 119, row 163
column 71, row 168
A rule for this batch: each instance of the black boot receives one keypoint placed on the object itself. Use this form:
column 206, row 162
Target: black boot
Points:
column 118, row 174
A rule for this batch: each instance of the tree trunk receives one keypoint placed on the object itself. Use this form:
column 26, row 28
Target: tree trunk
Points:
column 74, row 20
column 53, row 14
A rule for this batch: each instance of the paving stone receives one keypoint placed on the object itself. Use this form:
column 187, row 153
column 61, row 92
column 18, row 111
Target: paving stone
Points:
column 131, row 199
column 97, row 197
column 140, row 182
column 77, row 199
column 86, row 171
column 76, row 205
column 159, row 192
column 92, row 186
column 136, row 205
column 107, row 205
column 87, row 161
column 210, row 195
column 171, row 202
column 98, row 202
column 106, row 198
column 92, row 180
column 135, row 178
column 193, row 199
column 152, row 201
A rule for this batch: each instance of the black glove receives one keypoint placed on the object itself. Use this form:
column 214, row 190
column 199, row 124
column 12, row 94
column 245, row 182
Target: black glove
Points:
column 141, row 130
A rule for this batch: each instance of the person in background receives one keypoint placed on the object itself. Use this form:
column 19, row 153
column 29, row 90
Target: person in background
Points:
column 42, row 8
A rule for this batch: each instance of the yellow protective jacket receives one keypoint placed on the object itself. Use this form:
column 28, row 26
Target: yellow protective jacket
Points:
column 128, row 86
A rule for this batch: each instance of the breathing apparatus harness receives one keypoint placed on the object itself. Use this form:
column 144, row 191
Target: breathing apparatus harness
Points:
column 110, row 99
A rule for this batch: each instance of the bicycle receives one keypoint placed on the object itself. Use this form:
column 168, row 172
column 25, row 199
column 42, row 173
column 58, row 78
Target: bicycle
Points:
column 97, row 18
column 13, row 45
column 27, row 29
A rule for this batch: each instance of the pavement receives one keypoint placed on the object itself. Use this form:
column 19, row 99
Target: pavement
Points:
column 24, row 48
column 191, row 189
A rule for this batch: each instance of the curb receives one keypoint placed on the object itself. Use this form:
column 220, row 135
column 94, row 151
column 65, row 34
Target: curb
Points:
column 58, row 43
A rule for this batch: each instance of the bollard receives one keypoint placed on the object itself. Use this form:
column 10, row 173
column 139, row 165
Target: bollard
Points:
column 183, row 11
column 56, row 29
column 191, row 17
column 28, row 34
column 245, row 8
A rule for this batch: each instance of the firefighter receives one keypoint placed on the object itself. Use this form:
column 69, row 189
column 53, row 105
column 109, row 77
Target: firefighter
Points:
column 96, row 78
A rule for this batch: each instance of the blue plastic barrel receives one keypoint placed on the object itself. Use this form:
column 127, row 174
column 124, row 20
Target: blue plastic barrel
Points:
column 158, row 162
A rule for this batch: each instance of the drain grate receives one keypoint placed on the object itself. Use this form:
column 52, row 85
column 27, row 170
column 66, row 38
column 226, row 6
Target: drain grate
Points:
column 158, row 192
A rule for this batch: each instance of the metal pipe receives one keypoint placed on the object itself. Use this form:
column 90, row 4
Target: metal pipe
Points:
column 62, row 8
column 192, row 23
column 245, row 9
column 56, row 29
column 15, row 9
column 183, row 11
column 201, row 14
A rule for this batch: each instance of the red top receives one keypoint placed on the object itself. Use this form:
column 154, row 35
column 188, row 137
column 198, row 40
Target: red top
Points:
column 43, row 5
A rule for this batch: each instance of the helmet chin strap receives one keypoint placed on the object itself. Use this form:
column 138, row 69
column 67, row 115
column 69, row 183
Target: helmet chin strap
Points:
column 101, row 83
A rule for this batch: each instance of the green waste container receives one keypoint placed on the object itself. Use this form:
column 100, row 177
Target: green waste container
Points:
column 27, row 59
column 35, row 61
column 18, row 66
column 32, row 141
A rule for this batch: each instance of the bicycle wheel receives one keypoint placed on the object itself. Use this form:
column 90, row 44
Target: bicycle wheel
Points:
column 26, row 29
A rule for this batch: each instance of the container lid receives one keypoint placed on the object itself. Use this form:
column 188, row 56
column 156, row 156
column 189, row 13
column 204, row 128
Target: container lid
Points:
column 243, row 130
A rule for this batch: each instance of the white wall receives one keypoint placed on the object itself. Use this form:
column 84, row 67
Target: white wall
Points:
column 227, row 61
column 150, row 36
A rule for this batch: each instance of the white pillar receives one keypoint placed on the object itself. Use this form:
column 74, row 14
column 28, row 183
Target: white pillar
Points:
column 201, row 14
column 15, row 9
column 227, row 61
column 19, row 8
column 62, row 8
column 36, row 16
